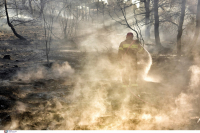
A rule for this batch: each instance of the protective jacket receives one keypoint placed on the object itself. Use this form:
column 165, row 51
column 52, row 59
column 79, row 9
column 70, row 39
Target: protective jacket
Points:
column 130, row 48
column 127, row 54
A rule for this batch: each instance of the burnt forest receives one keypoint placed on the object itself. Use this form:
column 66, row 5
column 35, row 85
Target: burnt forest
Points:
column 60, row 67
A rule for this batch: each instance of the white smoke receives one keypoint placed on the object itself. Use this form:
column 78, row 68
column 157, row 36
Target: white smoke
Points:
column 41, row 72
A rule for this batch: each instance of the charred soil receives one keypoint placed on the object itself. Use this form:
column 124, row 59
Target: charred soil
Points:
column 32, row 99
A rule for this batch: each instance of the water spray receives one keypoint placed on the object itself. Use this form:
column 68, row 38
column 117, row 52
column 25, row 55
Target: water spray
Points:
column 148, row 66
column 147, row 69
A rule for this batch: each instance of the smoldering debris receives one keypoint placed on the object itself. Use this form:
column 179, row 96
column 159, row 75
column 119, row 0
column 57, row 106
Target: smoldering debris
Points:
column 93, row 97
column 94, row 105
column 97, row 100
column 41, row 72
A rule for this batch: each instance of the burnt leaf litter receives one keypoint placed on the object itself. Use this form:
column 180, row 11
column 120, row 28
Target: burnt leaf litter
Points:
column 39, row 103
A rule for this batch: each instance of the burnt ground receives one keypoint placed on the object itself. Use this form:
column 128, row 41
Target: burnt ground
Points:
column 39, row 103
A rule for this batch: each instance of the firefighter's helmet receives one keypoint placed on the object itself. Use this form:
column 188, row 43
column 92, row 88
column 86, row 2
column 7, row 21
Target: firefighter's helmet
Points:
column 129, row 35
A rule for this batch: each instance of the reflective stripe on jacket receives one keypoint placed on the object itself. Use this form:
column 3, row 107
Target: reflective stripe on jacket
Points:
column 130, row 49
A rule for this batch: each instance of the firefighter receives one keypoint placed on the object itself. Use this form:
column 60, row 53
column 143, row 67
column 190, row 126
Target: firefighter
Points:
column 127, row 54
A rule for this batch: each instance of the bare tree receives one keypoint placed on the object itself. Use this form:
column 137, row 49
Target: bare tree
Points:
column 30, row 6
column 156, row 24
column 119, row 10
column 1, row 9
column 69, row 19
column 42, row 6
column 197, row 30
column 147, row 18
column 180, row 27
column 23, row 3
column 10, row 25
column 48, row 22
column 16, row 7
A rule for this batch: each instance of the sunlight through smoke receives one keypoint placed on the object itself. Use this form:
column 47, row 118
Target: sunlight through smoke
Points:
column 89, row 102
column 24, row 17
column 146, row 117
column 105, row 1
column 136, row 2
column 194, row 83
